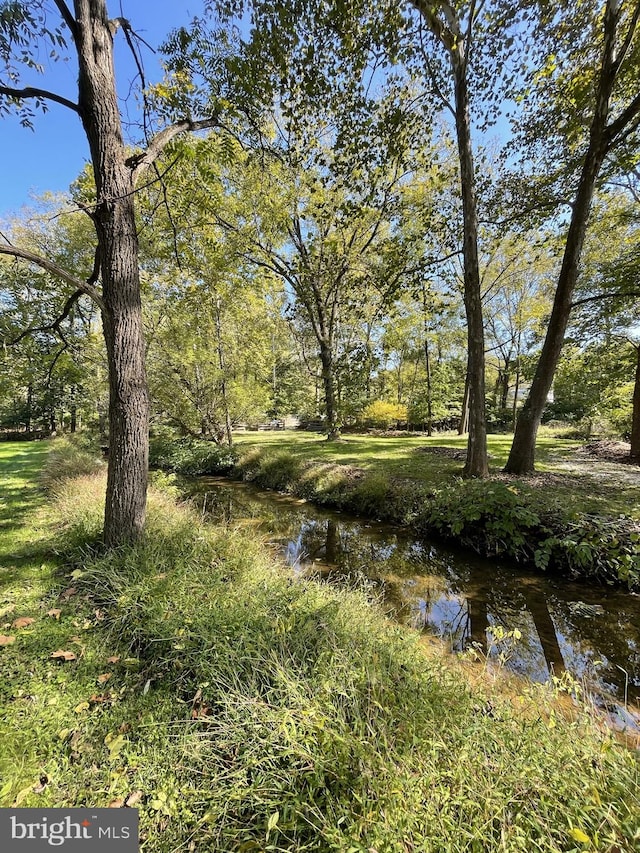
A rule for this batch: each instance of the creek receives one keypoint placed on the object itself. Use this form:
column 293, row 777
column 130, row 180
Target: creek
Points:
column 535, row 625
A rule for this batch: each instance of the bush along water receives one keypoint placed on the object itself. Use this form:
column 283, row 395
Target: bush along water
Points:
column 190, row 456
column 302, row 720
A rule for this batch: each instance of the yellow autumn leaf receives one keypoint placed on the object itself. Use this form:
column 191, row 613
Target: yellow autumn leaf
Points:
column 579, row 836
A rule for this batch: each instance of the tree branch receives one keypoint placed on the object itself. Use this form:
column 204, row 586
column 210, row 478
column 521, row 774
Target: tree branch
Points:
column 599, row 296
column 67, row 17
column 54, row 269
column 32, row 92
column 626, row 117
column 55, row 325
column 141, row 162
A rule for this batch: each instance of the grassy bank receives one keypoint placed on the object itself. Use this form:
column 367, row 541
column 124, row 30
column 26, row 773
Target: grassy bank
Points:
column 574, row 521
column 241, row 709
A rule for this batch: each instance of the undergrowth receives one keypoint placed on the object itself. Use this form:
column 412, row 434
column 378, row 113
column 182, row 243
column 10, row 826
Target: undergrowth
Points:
column 241, row 709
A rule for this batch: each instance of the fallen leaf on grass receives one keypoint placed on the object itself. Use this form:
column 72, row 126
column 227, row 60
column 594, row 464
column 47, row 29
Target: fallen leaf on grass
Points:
column 114, row 743
column 116, row 804
column 22, row 622
column 68, row 592
column 83, row 706
column 62, row 654
column 54, row 612
column 6, row 641
column 113, row 659
column 104, row 677
column 133, row 799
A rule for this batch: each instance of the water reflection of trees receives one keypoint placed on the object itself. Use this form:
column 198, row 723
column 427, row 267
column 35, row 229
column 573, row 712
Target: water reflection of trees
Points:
column 461, row 598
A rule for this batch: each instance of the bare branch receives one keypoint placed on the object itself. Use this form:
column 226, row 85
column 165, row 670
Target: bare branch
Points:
column 141, row 162
column 45, row 264
column 614, row 130
column 32, row 92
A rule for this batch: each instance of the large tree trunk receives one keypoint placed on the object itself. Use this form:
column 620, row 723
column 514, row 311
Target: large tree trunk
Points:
column 635, row 418
column 522, row 456
column 477, row 462
column 118, row 251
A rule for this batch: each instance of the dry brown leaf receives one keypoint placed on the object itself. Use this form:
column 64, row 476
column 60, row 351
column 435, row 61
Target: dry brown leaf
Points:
column 113, row 659
column 22, row 622
column 63, row 654
column 5, row 640
column 133, row 799
column 69, row 592
column 116, row 804
column 104, row 677
column 54, row 612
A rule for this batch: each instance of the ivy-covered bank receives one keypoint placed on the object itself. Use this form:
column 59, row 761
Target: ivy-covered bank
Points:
column 496, row 517
column 240, row 708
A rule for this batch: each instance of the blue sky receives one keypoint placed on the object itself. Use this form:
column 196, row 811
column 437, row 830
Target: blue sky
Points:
column 50, row 157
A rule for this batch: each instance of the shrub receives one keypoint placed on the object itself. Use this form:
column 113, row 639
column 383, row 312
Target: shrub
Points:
column 191, row 456
column 383, row 415
column 488, row 516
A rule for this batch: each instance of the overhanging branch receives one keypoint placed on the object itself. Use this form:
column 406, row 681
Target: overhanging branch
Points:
column 54, row 269
column 43, row 94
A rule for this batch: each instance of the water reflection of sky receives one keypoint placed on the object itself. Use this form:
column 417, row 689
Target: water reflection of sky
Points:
column 593, row 633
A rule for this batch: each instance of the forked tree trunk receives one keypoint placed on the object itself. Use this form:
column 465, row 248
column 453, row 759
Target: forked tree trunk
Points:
column 114, row 220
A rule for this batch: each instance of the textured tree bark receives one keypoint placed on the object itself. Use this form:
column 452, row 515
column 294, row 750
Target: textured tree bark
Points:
column 114, row 220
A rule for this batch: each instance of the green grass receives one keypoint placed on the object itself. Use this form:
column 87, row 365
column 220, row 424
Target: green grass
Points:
column 249, row 711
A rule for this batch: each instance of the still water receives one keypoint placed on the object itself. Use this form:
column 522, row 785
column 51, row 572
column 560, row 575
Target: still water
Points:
column 591, row 632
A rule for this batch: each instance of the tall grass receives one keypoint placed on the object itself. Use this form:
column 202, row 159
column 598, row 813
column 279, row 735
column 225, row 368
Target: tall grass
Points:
column 295, row 718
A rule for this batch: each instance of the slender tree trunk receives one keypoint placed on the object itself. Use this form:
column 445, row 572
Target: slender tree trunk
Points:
column 516, row 391
column 223, row 371
column 477, row 462
column 522, row 456
column 328, row 382
column 114, row 219
column 635, row 418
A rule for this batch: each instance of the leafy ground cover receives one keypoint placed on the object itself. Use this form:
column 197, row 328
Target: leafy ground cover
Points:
column 241, row 709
